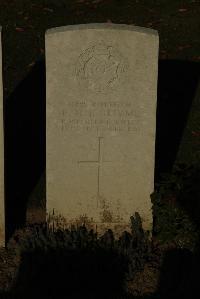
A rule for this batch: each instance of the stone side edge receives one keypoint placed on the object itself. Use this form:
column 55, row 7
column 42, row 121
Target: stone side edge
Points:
column 2, row 213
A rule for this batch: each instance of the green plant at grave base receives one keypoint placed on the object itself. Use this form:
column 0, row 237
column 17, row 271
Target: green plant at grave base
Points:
column 133, row 249
column 174, row 199
column 136, row 246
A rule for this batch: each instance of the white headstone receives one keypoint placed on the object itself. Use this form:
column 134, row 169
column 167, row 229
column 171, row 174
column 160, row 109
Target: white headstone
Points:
column 2, row 212
column 101, row 83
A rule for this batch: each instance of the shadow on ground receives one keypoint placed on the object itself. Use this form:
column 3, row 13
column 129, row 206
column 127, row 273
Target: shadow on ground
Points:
column 177, row 84
column 24, row 113
column 179, row 275
column 76, row 275
column 69, row 274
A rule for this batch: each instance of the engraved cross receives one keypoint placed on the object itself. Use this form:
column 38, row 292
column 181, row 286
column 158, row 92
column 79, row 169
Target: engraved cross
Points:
column 99, row 162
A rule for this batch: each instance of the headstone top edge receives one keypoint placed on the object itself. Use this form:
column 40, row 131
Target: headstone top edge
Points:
column 101, row 26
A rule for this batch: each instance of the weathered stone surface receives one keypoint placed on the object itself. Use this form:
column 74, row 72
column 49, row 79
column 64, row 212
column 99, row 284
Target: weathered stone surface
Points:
column 101, row 119
column 2, row 212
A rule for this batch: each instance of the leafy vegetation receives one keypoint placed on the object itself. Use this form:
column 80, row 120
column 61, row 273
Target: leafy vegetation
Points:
column 134, row 247
column 175, row 206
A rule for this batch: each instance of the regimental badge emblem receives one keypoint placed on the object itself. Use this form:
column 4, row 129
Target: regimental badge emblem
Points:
column 100, row 67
